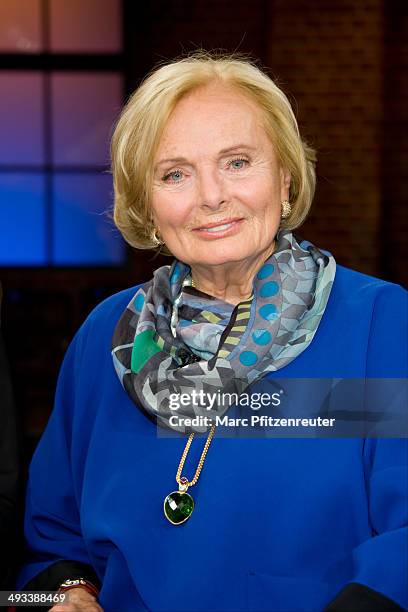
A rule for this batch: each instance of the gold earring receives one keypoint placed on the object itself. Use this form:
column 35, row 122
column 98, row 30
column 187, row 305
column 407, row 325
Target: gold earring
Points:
column 286, row 209
column 155, row 238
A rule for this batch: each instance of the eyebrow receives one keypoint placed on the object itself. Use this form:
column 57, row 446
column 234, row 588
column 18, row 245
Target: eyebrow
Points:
column 179, row 160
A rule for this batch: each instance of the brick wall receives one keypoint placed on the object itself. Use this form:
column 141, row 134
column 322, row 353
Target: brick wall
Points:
column 329, row 57
column 395, row 143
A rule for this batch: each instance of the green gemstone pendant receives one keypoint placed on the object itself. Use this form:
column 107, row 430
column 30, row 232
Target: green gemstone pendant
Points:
column 178, row 507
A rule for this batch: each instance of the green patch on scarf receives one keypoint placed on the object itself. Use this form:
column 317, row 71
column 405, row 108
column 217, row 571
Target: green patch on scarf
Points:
column 144, row 348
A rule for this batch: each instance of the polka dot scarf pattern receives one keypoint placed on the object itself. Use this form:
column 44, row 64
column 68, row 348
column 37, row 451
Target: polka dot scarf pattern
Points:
column 174, row 339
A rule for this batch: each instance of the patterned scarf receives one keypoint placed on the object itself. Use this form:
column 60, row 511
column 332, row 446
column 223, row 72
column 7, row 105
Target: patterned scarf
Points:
column 174, row 339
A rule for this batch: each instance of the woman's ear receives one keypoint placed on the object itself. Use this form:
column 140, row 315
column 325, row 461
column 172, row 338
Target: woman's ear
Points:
column 285, row 177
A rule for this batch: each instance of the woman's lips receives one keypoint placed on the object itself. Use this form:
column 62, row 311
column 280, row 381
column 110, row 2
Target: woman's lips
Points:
column 220, row 230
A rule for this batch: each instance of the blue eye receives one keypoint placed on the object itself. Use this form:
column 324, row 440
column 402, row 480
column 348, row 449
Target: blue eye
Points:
column 238, row 164
column 175, row 176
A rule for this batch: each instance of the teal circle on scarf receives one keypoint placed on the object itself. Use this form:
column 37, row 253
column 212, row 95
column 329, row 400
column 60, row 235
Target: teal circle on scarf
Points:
column 269, row 289
column 261, row 336
column 248, row 358
column 269, row 312
column 265, row 271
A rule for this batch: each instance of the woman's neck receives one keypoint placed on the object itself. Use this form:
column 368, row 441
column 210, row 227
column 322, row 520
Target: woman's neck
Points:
column 232, row 282
column 231, row 294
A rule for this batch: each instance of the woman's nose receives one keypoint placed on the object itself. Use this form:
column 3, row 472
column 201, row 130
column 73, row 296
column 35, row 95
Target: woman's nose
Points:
column 211, row 188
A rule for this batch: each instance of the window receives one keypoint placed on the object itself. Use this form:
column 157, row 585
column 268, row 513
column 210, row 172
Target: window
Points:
column 62, row 89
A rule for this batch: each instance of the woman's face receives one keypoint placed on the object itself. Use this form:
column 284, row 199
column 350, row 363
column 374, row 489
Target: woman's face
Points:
column 218, row 187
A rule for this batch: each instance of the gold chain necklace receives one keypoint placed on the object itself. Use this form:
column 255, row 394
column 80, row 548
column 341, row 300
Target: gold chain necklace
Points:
column 179, row 505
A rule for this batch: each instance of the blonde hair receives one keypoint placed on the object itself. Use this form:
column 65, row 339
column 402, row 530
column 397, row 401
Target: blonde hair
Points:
column 140, row 126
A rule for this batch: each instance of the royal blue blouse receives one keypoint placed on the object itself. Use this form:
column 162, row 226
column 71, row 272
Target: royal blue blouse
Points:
column 280, row 524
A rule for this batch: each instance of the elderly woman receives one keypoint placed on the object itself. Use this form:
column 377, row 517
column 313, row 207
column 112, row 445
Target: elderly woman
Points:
column 208, row 165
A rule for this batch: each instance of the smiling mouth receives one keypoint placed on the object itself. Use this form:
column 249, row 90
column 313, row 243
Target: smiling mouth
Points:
column 222, row 227
column 217, row 228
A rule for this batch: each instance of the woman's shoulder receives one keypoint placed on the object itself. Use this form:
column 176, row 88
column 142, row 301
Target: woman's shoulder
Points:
column 358, row 297
column 113, row 306
column 367, row 319
column 100, row 323
column 353, row 285
column 364, row 302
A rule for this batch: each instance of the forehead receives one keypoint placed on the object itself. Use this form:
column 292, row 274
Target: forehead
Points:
column 213, row 115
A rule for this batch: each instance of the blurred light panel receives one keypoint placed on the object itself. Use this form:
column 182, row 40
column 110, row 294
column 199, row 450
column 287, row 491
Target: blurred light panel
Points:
column 83, row 233
column 20, row 26
column 85, row 105
column 21, row 118
column 86, row 26
column 22, row 219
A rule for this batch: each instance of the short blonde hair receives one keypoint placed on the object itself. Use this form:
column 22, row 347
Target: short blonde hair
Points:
column 140, row 126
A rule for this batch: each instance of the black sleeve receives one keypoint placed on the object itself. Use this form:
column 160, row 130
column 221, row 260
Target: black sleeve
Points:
column 9, row 471
column 54, row 575
column 360, row 598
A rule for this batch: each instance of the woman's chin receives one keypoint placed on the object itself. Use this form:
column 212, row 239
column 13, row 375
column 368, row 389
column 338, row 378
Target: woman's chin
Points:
column 221, row 258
